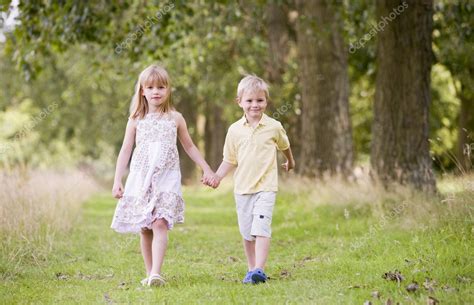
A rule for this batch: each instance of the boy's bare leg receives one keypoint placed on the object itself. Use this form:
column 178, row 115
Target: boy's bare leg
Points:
column 146, row 239
column 249, row 247
column 262, row 246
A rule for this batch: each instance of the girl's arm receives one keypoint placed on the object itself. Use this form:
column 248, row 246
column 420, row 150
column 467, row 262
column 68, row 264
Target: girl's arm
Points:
column 191, row 149
column 124, row 157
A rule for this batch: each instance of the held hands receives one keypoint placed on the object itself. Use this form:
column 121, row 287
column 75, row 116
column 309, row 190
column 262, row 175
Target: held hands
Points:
column 117, row 190
column 288, row 165
column 209, row 178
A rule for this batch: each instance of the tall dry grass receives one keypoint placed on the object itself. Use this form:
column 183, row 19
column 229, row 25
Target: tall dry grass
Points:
column 454, row 200
column 36, row 205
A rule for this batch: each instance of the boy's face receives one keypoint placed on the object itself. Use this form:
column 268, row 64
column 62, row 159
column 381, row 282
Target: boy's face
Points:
column 253, row 103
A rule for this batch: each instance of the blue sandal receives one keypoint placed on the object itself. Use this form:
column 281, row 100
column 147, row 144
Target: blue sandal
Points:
column 248, row 278
column 258, row 276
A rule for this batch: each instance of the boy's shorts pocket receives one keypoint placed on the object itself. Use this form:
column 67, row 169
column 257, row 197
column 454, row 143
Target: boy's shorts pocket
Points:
column 264, row 204
column 262, row 214
column 261, row 226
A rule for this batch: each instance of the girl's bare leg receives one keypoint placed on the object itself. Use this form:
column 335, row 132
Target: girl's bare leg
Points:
column 159, row 244
column 146, row 239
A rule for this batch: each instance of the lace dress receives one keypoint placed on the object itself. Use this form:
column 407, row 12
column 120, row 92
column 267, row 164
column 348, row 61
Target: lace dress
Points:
column 153, row 187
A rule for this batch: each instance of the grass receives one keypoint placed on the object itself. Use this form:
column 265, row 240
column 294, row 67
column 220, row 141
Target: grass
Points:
column 321, row 253
column 32, row 201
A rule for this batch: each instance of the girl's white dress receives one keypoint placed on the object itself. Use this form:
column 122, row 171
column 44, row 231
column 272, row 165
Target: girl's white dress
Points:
column 153, row 187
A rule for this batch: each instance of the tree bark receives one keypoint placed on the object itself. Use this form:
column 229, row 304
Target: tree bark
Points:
column 278, row 37
column 326, row 137
column 215, row 130
column 278, row 29
column 400, row 147
column 188, row 167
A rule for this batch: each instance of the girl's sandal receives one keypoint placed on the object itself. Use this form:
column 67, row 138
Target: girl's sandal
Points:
column 155, row 280
column 144, row 282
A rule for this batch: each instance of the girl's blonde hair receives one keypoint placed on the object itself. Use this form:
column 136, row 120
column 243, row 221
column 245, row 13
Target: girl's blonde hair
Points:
column 252, row 83
column 153, row 75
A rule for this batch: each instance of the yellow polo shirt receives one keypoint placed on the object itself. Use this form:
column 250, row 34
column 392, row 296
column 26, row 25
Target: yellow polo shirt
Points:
column 254, row 152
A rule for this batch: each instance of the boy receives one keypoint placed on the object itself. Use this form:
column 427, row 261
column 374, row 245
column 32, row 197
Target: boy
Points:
column 251, row 147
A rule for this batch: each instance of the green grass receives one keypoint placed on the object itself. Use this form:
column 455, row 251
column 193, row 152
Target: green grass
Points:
column 311, row 260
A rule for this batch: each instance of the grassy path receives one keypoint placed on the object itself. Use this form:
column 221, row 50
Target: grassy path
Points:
column 311, row 260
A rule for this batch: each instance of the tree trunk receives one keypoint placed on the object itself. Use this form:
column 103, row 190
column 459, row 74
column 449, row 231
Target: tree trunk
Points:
column 400, row 148
column 278, row 30
column 188, row 167
column 215, row 130
column 326, row 137
column 278, row 37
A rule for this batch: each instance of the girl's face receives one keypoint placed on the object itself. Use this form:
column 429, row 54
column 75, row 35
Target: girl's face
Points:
column 155, row 94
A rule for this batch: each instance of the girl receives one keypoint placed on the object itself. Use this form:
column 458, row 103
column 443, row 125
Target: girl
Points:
column 151, row 202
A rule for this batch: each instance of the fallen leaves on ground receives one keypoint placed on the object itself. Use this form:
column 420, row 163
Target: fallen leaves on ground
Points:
column 393, row 276
column 412, row 287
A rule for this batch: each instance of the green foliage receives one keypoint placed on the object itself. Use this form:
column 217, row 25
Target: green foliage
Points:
column 359, row 19
column 361, row 103
column 453, row 39
column 66, row 53
column 453, row 45
column 443, row 117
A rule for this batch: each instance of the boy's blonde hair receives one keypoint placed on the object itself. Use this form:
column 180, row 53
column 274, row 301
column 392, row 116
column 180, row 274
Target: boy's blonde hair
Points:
column 156, row 76
column 252, row 83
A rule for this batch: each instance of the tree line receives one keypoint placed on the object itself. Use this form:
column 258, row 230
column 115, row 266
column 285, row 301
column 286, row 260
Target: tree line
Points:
column 354, row 79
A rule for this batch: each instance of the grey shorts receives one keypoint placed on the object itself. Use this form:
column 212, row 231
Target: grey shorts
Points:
column 254, row 213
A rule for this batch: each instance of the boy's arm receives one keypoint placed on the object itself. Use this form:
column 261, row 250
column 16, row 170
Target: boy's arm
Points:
column 221, row 172
column 224, row 169
column 290, row 161
column 283, row 144
column 229, row 162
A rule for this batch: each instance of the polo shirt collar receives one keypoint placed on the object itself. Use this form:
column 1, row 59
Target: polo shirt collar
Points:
column 263, row 120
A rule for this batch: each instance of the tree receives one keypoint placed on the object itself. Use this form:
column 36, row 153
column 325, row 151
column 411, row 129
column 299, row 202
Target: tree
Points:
column 400, row 147
column 326, row 136
column 278, row 40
